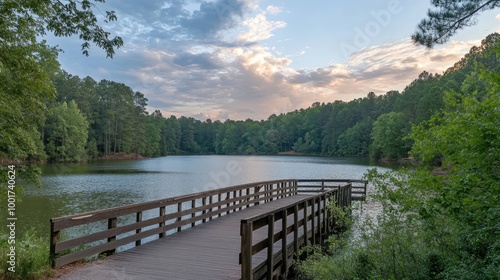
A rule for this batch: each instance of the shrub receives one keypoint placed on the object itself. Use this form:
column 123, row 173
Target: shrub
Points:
column 32, row 257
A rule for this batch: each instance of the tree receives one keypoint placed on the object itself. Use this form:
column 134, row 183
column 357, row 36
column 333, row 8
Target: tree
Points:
column 435, row 222
column 187, row 140
column 388, row 136
column 449, row 17
column 356, row 140
column 27, row 65
column 24, row 21
column 67, row 132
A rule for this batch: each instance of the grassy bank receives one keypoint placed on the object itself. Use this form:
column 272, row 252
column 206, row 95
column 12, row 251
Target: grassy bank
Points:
column 31, row 257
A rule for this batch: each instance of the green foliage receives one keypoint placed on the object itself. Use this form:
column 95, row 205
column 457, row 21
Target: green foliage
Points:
column 24, row 87
column 466, row 137
column 27, row 66
column 24, row 21
column 67, row 130
column 435, row 224
column 388, row 136
column 448, row 17
column 356, row 140
column 32, row 254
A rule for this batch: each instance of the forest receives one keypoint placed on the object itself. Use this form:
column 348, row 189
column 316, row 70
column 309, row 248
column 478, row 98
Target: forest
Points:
column 438, row 220
column 90, row 119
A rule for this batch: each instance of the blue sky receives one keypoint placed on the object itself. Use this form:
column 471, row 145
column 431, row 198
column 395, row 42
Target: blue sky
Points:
column 243, row 59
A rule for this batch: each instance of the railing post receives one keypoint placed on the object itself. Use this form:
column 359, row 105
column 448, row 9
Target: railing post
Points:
column 306, row 234
column 203, row 212
column 256, row 191
column 296, row 228
column 219, row 198
column 246, row 231
column 350, row 194
column 234, row 202
column 270, row 244
column 336, row 199
column 248, row 198
column 179, row 219
column 210, row 202
column 327, row 216
column 323, row 232
column 339, row 197
column 162, row 223
column 284, row 251
column 138, row 218
column 193, row 205
column 55, row 237
column 313, row 224
column 112, row 222
column 240, row 201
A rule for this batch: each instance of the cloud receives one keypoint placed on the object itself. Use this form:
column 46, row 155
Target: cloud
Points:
column 445, row 57
column 202, row 61
column 175, row 55
column 321, row 77
column 259, row 28
column 241, row 82
column 273, row 10
column 179, row 20
column 214, row 17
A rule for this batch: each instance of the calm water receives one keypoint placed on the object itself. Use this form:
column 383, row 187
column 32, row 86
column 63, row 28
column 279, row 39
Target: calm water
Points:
column 76, row 188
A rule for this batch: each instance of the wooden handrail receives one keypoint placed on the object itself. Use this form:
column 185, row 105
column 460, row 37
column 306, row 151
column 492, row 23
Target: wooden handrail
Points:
column 203, row 206
column 358, row 189
column 135, row 224
column 311, row 225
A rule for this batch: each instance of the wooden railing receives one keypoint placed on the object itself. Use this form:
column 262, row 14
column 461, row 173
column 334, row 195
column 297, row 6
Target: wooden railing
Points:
column 132, row 224
column 358, row 187
column 105, row 231
column 302, row 223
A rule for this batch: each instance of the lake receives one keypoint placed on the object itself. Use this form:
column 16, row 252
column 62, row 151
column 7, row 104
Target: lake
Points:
column 77, row 188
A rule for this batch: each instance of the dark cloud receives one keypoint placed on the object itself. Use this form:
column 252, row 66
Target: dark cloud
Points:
column 444, row 57
column 213, row 17
column 171, row 19
column 409, row 60
column 202, row 61
column 320, row 77
column 386, row 71
column 173, row 13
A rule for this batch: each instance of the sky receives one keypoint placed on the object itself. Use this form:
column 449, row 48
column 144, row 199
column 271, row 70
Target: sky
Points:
column 239, row 59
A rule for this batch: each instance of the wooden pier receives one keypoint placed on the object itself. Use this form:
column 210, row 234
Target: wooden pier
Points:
column 250, row 231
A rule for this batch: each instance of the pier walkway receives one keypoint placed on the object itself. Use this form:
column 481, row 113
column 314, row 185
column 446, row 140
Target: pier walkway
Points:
column 230, row 233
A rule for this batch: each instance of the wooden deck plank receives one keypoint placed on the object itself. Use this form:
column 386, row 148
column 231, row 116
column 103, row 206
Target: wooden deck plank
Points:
column 207, row 251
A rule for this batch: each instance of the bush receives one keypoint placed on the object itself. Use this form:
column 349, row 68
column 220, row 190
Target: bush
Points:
column 32, row 256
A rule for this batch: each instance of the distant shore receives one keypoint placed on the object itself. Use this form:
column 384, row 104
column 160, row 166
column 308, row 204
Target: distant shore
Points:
column 292, row 153
column 120, row 156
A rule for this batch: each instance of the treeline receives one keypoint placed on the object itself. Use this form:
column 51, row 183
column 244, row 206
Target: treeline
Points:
column 89, row 119
column 432, row 222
